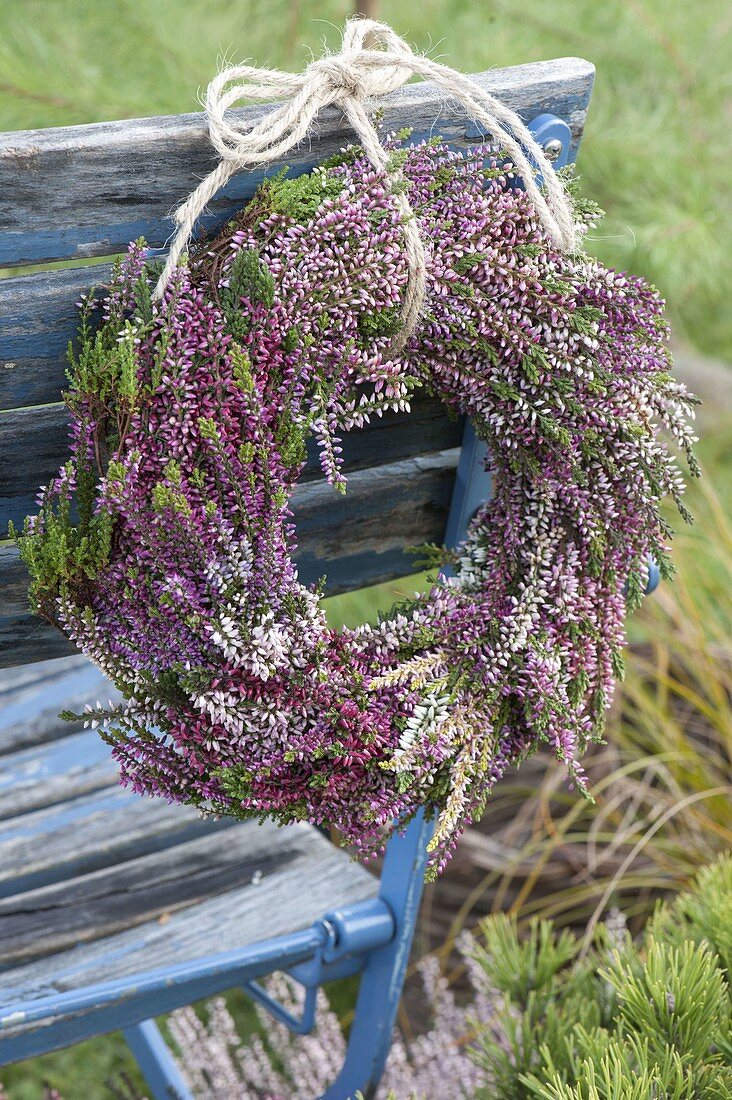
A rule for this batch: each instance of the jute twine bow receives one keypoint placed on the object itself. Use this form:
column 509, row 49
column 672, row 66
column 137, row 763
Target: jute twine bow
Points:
column 359, row 73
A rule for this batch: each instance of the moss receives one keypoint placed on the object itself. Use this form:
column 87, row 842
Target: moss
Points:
column 250, row 279
column 298, row 198
column 380, row 322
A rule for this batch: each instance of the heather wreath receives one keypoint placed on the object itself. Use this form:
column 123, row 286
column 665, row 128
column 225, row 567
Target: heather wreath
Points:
column 164, row 549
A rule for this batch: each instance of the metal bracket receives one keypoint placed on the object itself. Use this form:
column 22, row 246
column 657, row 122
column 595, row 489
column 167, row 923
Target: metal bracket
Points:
column 654, row 577
column 555, row 138
column 346, row 936
column 549, row 131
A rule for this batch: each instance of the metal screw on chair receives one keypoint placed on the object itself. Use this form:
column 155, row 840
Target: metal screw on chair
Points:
column 553, row 148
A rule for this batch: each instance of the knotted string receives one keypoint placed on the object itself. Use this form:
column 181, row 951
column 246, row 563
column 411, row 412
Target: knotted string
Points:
column 359, row 73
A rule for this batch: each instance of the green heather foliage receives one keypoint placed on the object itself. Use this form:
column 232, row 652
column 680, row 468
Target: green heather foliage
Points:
column 621, row 1021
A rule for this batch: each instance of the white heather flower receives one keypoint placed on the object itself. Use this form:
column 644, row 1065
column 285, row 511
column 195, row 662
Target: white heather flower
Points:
column 422, row 726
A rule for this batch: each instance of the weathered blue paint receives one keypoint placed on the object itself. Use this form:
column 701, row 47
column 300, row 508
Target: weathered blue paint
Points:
column 472, row 486
column 67, row 837
column 350, row 935
column 47, row 337
column 44, row 762
column 402, row 881
column 156, row 1062
column 68, row 1017
column 654, row 577
column 30, row 706
column 41, row 245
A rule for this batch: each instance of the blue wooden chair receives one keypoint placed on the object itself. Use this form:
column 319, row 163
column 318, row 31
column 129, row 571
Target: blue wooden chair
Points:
column 114, row 909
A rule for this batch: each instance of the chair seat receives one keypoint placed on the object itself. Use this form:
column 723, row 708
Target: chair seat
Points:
column 99, row 885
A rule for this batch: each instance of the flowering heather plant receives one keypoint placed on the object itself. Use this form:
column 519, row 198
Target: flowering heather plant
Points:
column 439, row 1064
column 164, row 547
column 546, row 1018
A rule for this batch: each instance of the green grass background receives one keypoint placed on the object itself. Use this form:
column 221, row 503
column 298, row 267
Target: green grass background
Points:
column 656, row 155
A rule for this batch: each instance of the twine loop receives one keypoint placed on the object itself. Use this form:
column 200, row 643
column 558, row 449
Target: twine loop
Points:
column 373, row 62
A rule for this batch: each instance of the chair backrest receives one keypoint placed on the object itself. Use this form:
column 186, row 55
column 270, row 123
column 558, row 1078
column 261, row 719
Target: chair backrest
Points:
column 81, row 193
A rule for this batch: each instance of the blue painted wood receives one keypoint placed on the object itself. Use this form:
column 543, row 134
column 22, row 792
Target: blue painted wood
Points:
column 69, row 1017
column 83, row 834
column 148, row 165
column 136, row 974
column 158, row 1066
column 46, row 774
column 31, row 699
column 402, row 879
column 654, row 577
column 472, row 486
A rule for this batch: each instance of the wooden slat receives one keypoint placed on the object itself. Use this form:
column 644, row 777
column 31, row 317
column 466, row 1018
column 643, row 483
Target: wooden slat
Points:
column 14, row 684
column 23, row 638
column 355, row 540
column 39, row 318
column 88, row 833
column 254, row 908
column 404, row 504
column 50, row 774
column 84, row 191
column 58, row 916
column 34, row 444
column 32, row 696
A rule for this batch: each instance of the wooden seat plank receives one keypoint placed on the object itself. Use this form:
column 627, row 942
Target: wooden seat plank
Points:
column 30, row 678
column 47, row 774
column 148, row 165
column 31, row 698
column 99, row 903
column 90, row 832
column 253, row 909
